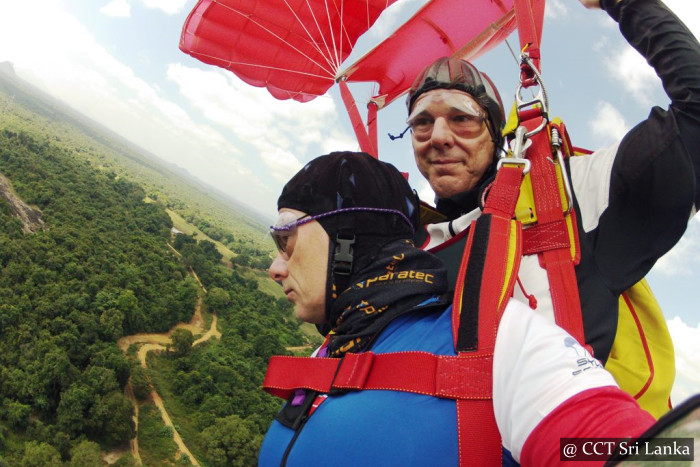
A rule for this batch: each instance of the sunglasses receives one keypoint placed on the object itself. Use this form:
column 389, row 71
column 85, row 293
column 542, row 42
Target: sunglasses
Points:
column 287, row 224
column 285, row 228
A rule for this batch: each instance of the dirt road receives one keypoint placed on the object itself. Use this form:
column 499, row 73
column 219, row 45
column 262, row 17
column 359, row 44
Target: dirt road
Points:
column 158, row 343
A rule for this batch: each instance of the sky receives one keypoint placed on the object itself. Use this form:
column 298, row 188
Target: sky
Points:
column 118, row 62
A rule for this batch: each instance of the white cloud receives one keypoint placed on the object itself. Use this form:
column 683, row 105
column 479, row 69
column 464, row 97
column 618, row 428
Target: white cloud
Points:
column 608, row 124
column 688, row 11
column 282, row 132
column 684, row 258
column 170, row 7
column 122, row 8
column 555, row 9
column 337, row 140
column 392, row 17
column 602, row 45
column 686, row 341
column 117, row 9
column 633, row 72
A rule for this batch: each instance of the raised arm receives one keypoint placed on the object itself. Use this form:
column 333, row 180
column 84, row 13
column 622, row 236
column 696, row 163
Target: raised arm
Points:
column 655, row 178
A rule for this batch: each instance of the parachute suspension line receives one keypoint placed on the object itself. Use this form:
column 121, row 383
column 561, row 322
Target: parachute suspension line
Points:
column 372, row 108
column 512, row 52
column 347, row 35
column 330, row 73
column 333, row 48
column 327, row 55
column 367, row 12
column 256, row 65
column 333, row 38
column 361, row 133
column 341, row 30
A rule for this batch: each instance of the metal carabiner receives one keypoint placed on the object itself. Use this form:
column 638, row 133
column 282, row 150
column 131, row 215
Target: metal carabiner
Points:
column 518, row 146
column 520, row 143
column 557, row 143
column 540, row 99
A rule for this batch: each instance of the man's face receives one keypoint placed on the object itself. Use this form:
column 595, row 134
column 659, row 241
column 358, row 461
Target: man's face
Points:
column 451, row 142
column 303, row 269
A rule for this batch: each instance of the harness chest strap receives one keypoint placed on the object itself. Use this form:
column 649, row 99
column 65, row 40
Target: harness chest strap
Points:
column 448, row 377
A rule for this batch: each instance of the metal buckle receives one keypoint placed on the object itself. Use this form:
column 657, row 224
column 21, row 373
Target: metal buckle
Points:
column 510, row 160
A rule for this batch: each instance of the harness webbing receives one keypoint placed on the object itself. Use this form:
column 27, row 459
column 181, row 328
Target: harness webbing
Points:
column 485, row 282
column 557, row 261
column 543, row 237
column 444, row 376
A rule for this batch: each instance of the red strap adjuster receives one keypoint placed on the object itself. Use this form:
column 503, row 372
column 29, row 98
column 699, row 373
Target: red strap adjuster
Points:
column 352, row 373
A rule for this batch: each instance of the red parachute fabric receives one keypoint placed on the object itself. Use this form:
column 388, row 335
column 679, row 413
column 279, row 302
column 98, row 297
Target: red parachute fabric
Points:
column 294, row 48
column 530, row 18
column 458, row 28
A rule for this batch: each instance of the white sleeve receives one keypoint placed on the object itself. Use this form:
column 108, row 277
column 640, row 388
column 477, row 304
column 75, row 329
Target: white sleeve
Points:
column 537, row 366
column 590, row 180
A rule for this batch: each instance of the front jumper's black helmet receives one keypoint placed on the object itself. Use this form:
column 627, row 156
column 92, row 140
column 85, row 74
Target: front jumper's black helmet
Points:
column 453, row 73
column 343, row 180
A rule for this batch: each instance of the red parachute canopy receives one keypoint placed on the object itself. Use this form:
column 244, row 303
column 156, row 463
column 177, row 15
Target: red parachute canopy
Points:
column 457, row 28
column 295, row 47
column 292, row 47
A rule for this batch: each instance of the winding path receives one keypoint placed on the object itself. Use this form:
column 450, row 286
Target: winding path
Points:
column 158, row 342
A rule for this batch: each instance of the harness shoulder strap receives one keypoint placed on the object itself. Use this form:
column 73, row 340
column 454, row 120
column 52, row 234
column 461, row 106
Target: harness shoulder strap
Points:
column 485, row 282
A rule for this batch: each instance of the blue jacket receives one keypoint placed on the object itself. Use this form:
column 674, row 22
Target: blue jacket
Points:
column 378, row 427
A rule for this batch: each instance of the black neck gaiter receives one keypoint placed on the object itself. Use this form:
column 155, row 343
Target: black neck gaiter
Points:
column 400, row 278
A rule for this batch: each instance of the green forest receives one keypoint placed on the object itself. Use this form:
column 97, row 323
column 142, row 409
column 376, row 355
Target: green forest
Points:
column 92, row 259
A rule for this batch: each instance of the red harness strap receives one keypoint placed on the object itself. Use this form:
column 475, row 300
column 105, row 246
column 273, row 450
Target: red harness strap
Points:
column 449, row 377
column 543, row 237
column 557, row 261
column 485, row 283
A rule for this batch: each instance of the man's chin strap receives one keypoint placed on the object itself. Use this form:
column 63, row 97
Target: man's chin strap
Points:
column 340, row 269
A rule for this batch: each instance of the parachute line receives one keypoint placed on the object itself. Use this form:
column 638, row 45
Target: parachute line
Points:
column 268, row 67
column 340, row 28
column 327, row 55
column 250, row 18
column 344, row 31
column 330, row 28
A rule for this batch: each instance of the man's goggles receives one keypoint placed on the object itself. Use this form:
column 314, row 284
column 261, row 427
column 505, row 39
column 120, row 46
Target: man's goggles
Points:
column 463, row 114
column 286, row 226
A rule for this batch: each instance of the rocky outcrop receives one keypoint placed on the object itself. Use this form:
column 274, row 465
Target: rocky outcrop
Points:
column 8, row 69
column 30, row 217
